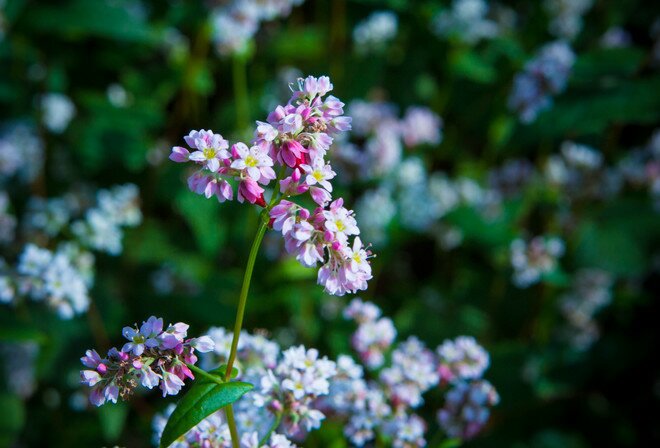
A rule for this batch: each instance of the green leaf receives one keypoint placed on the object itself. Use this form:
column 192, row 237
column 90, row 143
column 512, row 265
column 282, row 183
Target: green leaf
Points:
column 201, row 401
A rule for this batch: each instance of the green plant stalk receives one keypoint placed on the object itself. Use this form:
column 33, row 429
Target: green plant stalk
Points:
column 273, row 427
column 242, row 300
column 229, row 412
column 205, row 374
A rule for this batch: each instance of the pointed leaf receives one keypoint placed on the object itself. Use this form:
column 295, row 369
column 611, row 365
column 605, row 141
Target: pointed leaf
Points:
column 201, row 401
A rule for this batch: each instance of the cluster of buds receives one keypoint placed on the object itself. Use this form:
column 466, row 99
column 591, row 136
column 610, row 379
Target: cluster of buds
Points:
column 151, row 357
column 295, row 137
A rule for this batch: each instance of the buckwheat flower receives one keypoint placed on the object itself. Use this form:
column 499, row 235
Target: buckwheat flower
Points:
column 566, row 16
column 211, row 149
column 21, row 153
column 57, row 111
column 320, row 173
column 407, row 431
column 372, row 339
column 532, row 260
column 616, row 37
column 255, row 161
column 361, row 311
column 590, row 292
column 543, row 76
column 461, row 359
column 153, row 358
column 421, row 126
column 467, row 21
column 412, row 372
column 340, row 221
column 146, row 336
column 375, row 32
column 7, row 290
column 467, row 408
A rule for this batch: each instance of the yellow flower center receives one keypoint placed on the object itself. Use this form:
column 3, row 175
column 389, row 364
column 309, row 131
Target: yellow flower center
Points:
column 251, row 161
column 340, row 225
column 209, row 153
column 317, row 175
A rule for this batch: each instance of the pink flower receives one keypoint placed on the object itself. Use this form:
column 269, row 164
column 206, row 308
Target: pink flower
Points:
column 254, row 161
column 319, row 173
column 291, row 152
column 211, row 149
column 249, row 190
column 179, row 154
column 171, row 384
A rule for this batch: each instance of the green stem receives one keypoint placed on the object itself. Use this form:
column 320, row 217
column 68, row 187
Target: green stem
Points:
column 273, row 427
column 229, row 412
column 242, row 300
column 205, row 374
column 239, row 73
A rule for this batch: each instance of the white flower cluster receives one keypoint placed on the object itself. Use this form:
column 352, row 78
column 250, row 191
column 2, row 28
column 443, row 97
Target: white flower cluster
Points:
column 57, row 111
column 532, row 260
column 385, row 404
column 462, row 358
column 466, row 20
column 101, row 228
column 237, row 21
column 21, row 153
column 375, row 32
column 590, row 293
column 59, row 279
column 566, row 16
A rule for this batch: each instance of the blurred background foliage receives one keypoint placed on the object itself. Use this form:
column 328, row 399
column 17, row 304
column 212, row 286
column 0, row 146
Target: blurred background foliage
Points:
column 142, row 74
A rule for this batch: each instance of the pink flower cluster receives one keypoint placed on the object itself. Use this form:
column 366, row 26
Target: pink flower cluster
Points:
column 248, row 166
column 151, row 357
column 295, row 137
column 323, row 237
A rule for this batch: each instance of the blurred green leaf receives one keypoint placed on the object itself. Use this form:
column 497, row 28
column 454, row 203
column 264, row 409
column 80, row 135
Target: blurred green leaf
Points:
column 81, row 18
column 113, row 419
column 13, row 418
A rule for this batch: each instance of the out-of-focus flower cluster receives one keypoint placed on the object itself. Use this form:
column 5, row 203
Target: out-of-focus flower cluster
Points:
column 543, row 77
column 296, row 137
column 153, row 356
column 235, row 22
column 566, row 16
column 21, row 153
column 381, row 397
column 532, row 260
column 590, row 292
column 375, row 32
column 61, row 277
column 471, row 21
